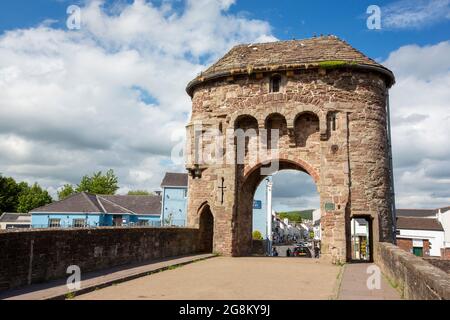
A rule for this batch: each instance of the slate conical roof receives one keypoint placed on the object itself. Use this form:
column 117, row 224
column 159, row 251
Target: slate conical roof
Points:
column 286, row 55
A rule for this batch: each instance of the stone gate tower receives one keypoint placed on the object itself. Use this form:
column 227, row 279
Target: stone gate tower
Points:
column 329, row 103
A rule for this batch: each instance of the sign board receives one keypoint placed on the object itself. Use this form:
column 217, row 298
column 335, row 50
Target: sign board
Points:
column 329, row 206
column 257, row 204
column 418, row 243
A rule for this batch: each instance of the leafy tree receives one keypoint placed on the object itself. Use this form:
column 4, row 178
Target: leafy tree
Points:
column 67, row 190
column 139, row 193
column 99, row 183
column 257, row 235
column 32, row 198
column 292, row 216
column 10, row 191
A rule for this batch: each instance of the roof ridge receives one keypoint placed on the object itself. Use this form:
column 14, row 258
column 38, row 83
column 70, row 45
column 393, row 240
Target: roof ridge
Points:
column 116, row 204
column 100, row 203
column 85, row 194
column 290, row 40
column 415, row 209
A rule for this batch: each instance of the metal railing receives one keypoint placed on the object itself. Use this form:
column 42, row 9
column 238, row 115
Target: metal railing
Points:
column 141, row 224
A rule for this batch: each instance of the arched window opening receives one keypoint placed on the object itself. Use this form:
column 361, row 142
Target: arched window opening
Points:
column 307, row 127
column 249, row 127
column 276, row 126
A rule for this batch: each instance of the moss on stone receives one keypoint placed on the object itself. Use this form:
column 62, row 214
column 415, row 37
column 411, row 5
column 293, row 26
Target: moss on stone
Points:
column 333, row 64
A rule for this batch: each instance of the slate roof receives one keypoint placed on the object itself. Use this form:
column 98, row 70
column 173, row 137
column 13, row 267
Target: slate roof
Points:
column 15, row 217
column 429, row 213
column 419, row 224
column 288, row 55
column 175, row 180
column 137, row 204
column 416, row 213
column 85, row 202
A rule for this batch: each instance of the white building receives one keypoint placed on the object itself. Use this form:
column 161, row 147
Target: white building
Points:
column 420, row 236
column 317, row 214
column 424, row 232
column 317, row 231
column 443, row 216
column 15, row 221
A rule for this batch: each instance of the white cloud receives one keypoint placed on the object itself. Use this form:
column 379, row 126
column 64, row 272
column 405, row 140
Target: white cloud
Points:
column 421, row 124
column 405, row 14
column 111, row 94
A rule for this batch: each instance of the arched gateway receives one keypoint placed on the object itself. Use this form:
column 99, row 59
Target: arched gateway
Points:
column 327, row 102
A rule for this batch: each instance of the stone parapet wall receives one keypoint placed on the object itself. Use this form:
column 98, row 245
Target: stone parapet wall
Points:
column 444, row 265
column 37, row 256
column 415, row 277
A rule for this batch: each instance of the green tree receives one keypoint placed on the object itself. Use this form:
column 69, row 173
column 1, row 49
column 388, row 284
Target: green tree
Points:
column 32, row 198
column 99, row 183
column 292, row 216
column 139, row 193
column 10, row 191
column 67, row 190
column 257, row 235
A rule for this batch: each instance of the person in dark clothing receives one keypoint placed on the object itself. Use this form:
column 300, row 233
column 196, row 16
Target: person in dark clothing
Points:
column 316, row 252
column 274, row 252
column 288, row 252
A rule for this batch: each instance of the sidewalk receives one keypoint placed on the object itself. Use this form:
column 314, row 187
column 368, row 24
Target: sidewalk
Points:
column 354, row 285
column 99, row 279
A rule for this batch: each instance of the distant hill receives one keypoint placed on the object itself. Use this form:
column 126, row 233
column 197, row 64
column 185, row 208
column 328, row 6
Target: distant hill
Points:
column 297, row 215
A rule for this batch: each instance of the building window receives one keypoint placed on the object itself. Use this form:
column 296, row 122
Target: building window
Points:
column 332, row 121
column 79, row 223
column 143, row 223
column 275, row 83
column 54, row 223
column 185, row 193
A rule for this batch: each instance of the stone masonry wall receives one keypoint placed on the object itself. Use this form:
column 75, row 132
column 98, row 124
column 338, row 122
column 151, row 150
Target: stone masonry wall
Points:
column 415, row 277
column 348, row 159
column 28, row 257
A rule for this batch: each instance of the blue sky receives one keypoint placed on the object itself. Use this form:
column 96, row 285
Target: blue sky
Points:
column 289, row 19
column 111, row 95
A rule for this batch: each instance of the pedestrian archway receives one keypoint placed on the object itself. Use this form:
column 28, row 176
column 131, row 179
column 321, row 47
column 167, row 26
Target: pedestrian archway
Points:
column 206, row 225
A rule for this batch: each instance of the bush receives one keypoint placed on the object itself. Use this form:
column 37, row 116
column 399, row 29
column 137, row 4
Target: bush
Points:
column 257, row 235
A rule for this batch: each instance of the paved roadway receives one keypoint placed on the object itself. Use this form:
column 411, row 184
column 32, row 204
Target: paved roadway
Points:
column 251, row 278
column 283, row 248
column 354, row 284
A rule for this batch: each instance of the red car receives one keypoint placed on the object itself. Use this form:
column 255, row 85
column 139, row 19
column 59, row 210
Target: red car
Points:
column 303, row 252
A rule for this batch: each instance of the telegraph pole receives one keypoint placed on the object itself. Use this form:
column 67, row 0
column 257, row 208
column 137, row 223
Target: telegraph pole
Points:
column 269, row 216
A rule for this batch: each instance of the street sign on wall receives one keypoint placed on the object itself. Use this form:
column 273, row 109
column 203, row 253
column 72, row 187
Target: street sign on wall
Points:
column 257, row 204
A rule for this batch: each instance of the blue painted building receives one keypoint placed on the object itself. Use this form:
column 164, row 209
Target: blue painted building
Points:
column 90, row 210
column 260, row 208
column 174, row 199
column 174, row 202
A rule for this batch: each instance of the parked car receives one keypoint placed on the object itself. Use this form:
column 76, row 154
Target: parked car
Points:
column 302, row 251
